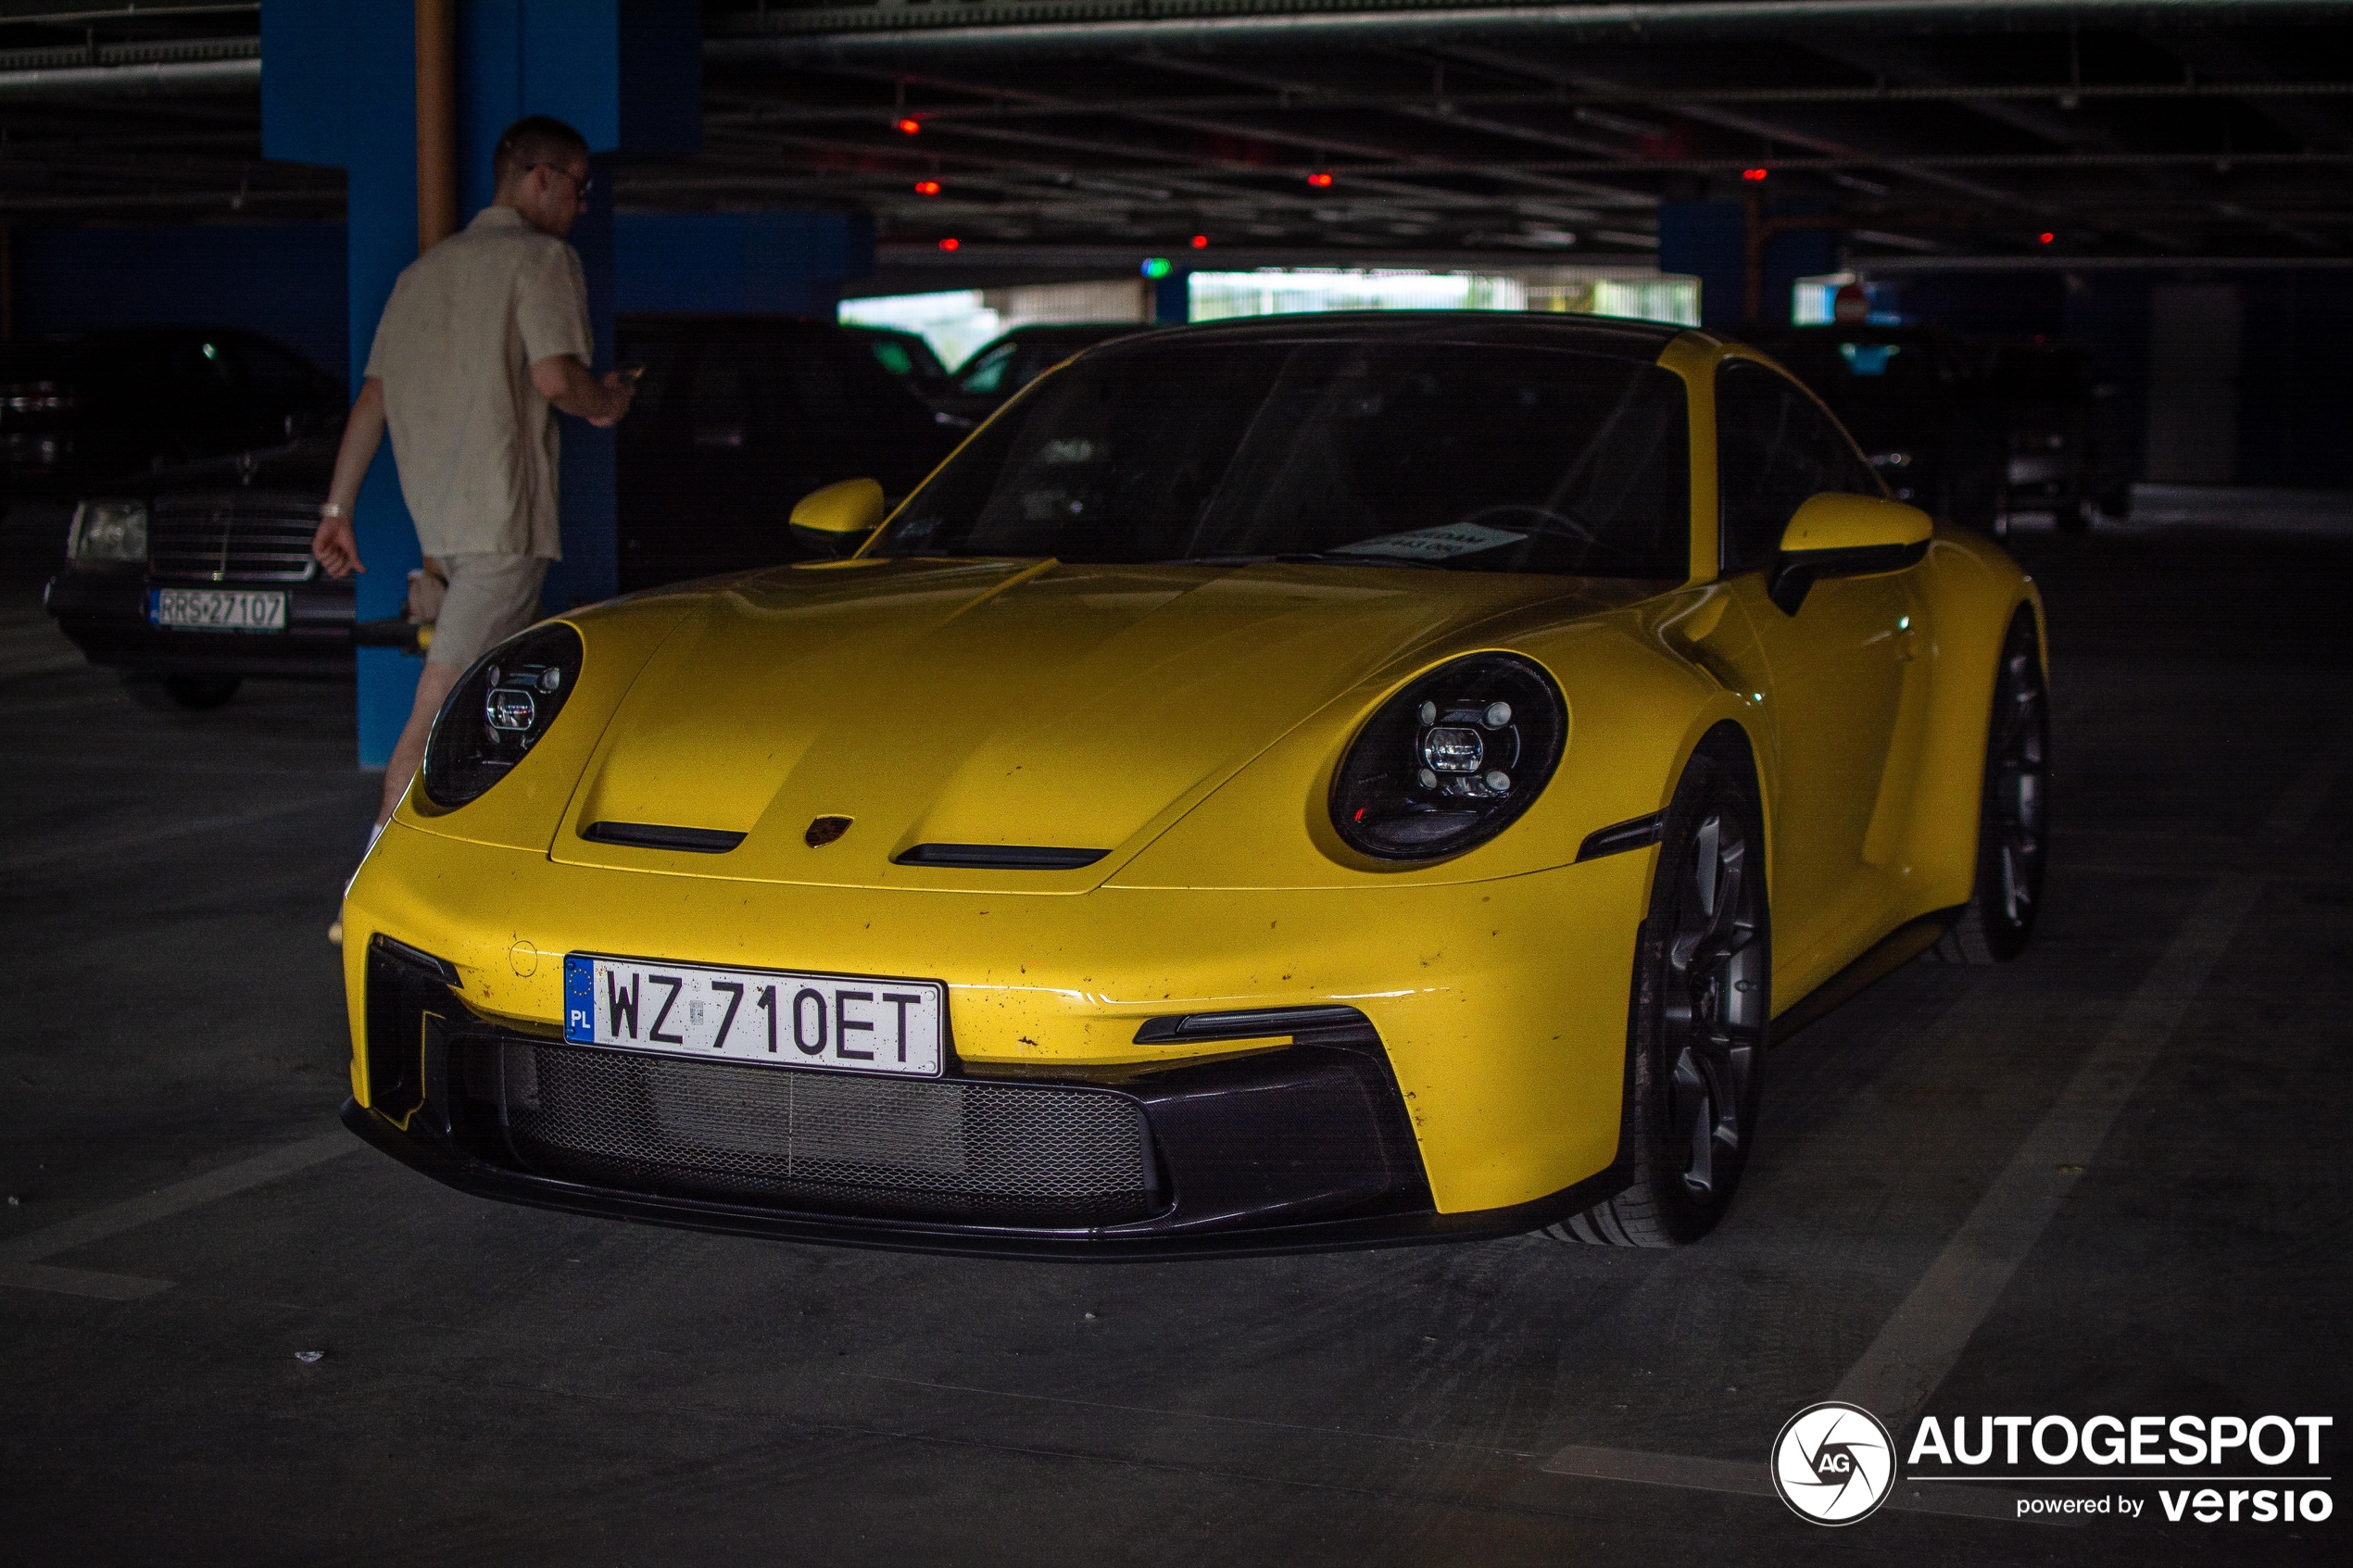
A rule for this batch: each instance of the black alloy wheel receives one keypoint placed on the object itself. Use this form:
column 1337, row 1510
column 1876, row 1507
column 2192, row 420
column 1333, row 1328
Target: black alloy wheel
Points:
column 1703, row 999
column 2013, row 824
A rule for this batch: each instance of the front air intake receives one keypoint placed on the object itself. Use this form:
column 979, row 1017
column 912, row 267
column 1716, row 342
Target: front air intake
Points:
column 1001, row 856
column 654, row 835
column 1033, row 1155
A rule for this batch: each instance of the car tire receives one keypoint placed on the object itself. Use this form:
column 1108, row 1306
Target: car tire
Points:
column 2116, row 502
column 196, row 694
column 2069, row 517
column 2013, row 824
column 1699, row 1017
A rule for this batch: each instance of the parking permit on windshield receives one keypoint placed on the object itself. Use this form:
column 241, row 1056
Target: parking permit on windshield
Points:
column 1432, row 543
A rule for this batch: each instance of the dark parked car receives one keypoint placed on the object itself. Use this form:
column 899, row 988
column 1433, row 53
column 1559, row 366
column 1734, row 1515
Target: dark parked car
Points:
column 195, row 576
column 737, row 418
column 906, row 356
column 1916, row 400
column 1006, row 365
column 84, row 408
column 2068, row 445
column 192, row 578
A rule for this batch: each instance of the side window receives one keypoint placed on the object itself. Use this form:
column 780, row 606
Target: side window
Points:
column 1774, row 448
column 989, row 374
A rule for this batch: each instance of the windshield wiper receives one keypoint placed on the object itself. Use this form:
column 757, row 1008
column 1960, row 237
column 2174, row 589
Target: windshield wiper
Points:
column 1328, row 558
column 1358, row 558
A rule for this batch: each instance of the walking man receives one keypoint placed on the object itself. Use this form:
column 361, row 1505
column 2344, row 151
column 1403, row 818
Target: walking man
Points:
column 485, row 334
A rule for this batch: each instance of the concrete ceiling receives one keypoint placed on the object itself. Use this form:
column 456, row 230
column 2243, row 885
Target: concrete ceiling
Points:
column 2145, row 130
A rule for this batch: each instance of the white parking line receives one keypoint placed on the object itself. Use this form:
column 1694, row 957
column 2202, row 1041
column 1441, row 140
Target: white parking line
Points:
column 162, row 1203
column 79, row 1282
column 1918, row 1345
column 1927, row 1334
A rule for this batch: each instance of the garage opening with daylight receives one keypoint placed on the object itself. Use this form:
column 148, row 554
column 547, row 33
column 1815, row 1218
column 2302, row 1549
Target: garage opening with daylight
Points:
column 1056, row 780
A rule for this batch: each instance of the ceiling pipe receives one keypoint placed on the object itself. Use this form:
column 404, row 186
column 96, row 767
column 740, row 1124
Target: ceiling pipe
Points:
column 823, row 37
column 132, row 81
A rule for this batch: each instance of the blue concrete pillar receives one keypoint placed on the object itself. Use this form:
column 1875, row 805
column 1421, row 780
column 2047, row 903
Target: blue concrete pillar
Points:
column 339, row 88
column 1173, row 299
column 1708, row 241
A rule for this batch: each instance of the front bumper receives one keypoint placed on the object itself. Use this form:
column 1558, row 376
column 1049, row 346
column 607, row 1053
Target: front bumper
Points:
column 106, row 615
column 1498, row 1010
column 1300, row 1148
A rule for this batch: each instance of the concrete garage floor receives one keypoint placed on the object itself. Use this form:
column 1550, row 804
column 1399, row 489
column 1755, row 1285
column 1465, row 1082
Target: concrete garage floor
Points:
column 506, row 1385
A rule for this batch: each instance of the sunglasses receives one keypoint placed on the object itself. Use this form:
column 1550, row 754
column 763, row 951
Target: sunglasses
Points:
column 586, row 182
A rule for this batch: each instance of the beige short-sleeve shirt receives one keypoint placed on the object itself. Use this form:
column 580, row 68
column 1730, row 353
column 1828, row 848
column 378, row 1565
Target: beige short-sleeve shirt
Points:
column 475, row 442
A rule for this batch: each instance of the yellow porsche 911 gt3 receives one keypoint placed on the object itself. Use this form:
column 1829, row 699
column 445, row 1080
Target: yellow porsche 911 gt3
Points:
column 1307, row 781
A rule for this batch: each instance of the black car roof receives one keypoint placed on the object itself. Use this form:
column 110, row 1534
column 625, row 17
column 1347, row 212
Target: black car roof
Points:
column 1536, row 329
column 1036, row 332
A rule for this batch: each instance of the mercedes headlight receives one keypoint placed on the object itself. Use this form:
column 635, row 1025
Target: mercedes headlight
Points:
column 108, row 531
column 502, row 708
column 1451, row 761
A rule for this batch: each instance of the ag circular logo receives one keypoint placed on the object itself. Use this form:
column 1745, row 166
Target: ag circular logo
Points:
column 1834, row 1464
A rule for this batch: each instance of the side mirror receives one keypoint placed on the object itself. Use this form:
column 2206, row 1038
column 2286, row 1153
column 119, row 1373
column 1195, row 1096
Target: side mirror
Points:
column 837, row 519
column 1838, row 535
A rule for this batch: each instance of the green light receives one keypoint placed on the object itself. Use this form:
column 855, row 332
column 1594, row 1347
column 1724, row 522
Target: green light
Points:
column 210, row 352
column 1157, row 267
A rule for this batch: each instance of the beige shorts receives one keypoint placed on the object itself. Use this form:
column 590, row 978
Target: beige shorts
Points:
column 490, row 599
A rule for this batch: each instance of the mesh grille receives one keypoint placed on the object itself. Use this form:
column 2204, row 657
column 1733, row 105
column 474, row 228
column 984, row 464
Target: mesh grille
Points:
column 239, row 536
column 1021, row 1153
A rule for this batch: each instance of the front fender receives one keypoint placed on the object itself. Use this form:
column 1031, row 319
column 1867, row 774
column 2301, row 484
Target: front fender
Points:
column 1970, row 589
column 1637, row 707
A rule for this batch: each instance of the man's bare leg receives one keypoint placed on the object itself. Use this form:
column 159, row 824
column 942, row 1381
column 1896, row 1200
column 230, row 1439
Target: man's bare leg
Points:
column 408, row 754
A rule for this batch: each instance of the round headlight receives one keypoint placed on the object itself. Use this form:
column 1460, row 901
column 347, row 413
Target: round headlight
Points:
column 500, row 709
column 1451, row 761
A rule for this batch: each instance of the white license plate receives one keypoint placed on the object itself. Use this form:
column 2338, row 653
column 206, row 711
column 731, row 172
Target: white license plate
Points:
column 216, row 609
column 845, row 1022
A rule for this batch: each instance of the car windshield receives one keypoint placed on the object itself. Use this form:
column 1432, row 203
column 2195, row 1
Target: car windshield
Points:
column 1478, row 457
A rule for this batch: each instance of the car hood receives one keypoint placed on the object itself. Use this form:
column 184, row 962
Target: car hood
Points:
column 994, row 703
column 305, row 465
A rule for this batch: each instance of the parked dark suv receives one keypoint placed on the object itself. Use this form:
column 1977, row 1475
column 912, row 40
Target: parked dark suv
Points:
column 1916, row 400
column 193, row 577
column 739, row 416
column 83, row 408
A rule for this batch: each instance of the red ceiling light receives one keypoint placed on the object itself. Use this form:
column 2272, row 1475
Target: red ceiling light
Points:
column 910, row 126
column 1752, row 175
column 926, row 187
column 952, row 242
column 1201, row 242
column 1320, row 180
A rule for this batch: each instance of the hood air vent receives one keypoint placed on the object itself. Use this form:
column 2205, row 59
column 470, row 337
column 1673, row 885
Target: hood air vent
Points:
column 1001, row 856
column 653, row 835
